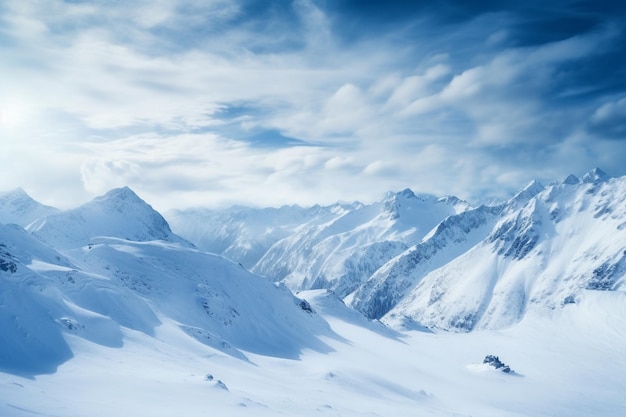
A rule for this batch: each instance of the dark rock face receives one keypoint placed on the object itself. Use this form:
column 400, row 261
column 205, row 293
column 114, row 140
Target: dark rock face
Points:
column 497, row 363
column 8, row 266
column 304, row 305
column 606, row 275
column 517, row 237
column 6, row 261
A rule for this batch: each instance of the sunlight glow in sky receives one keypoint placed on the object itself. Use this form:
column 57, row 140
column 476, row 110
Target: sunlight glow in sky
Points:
column 271, row 102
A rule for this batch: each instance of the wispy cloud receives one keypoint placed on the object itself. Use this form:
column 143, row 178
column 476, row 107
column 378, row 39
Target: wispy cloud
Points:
column 273, row 102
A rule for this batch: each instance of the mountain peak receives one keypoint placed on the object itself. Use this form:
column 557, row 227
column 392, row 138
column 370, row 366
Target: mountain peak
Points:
column 525, row 194
column 595, row 176
column 397, row 202
column 534, row 186
column 123, row 193
column 122, row 199
column 15, row 194
column 406, row 193
column 571, row 180
column 120, row 213
column 17, row 207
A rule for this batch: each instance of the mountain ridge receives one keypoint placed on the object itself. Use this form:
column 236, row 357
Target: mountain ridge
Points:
column 17, row 207
column 567, row 239
column 390, row 259
column 99, row 292
column 386, row 267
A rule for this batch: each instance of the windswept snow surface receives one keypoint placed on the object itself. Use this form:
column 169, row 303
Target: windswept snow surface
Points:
column 116, row 284
column 569, row 365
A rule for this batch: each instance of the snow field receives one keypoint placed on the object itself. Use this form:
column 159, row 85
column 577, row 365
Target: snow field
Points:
column 571, row 365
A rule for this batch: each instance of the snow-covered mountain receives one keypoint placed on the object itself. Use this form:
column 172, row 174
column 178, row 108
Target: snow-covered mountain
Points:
column 336, row 247
column 72, row 274
column 438, row 262
column 118, row 213
column 19, row 208
column 245, row 234
column 341, row 254
column 451, row 238
column 569, row 238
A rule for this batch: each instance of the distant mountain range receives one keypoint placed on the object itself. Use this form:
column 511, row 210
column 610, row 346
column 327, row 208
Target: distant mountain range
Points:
column 438, row 262
column 410, row 260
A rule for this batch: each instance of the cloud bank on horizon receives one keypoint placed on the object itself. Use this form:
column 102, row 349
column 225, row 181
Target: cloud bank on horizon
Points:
column 270, row 102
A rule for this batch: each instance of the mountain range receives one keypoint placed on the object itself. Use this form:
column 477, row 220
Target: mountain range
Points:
column 342, row 305
column 433, row 261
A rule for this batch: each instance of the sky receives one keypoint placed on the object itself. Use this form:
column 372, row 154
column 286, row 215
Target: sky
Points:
column 272, row 102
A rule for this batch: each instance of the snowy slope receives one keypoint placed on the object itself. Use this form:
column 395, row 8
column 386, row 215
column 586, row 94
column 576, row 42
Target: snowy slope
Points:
column 344, row 252
column 569, row 365
column 570, row 238
column 454, row 236
column 118, row 285
column 451, row 238
column 19, row 208
column 105, row 286
column 211, row 298
column 30, row 339
column 118, row 213
column 45, row 297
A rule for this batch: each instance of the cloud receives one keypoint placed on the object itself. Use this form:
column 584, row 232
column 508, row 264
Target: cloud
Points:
column 345, row 112
column 609, row 120
column 272, row 102
column 415, row 87
column 100, row 175
column 507, row 98
column 112, row 78
column 340, row 163
column 379, row 168
column 212, row 169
